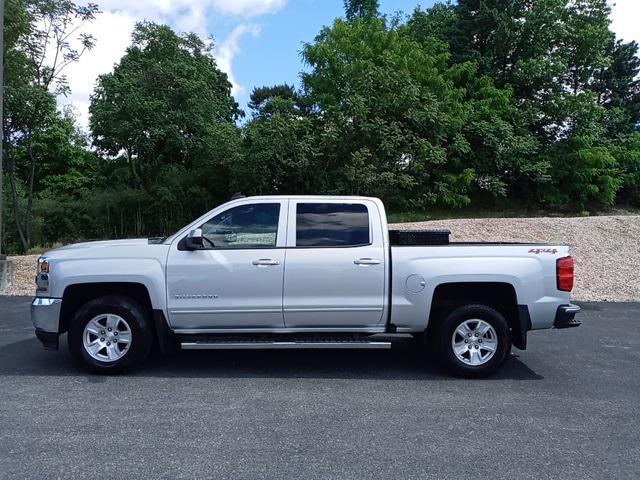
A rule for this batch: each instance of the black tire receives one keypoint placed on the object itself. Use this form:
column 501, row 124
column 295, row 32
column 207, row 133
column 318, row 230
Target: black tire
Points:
column 424, row 342
column 419, row 337
column 450, row 323
column 135, row 316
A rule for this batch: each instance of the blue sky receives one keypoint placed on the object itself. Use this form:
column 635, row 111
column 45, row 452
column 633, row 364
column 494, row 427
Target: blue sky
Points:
column 258, row 42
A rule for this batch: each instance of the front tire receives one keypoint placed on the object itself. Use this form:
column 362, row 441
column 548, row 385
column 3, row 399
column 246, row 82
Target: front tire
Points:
column 473, row 341
column 110, row 334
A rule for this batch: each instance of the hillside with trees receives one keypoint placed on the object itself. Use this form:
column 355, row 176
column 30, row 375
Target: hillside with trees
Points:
column 478, row 104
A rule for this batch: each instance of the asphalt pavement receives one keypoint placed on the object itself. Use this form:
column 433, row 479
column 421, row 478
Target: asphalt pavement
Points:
column 567, row 407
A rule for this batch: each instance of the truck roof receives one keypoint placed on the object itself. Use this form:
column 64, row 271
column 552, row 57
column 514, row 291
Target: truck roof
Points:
column 308, row 197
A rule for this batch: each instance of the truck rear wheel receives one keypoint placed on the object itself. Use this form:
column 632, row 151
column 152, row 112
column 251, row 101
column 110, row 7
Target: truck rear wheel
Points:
column 473, row 341
column 110, row 334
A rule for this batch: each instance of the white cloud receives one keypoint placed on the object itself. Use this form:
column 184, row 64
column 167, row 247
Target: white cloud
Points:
column 624, row 19
column 156, row 9
column 112, row 29
column 248, row 8
column 227, row 50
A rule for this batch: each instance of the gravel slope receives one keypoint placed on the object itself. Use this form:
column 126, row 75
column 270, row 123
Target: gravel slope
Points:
column 23, row 275
column 605, row 248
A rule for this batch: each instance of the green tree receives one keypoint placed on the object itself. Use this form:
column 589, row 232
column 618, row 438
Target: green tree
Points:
column 41, row 37
column 278, row 144
column 477, row 101
column 365, row 9
column 399, row 122
column 626, row 151
column 618, row 88
column 574, row 86
column 586, row 174
column 264, row 101
column 71, row 173
column 165, row 103
column 515, row 42
column 166, row 112
column 16, row 26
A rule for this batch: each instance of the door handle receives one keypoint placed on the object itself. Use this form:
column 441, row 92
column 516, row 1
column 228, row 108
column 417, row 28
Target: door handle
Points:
column 367, row 261
column 265, row 262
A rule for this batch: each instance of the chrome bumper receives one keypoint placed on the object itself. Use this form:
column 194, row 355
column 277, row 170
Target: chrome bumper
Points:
column 45, row 314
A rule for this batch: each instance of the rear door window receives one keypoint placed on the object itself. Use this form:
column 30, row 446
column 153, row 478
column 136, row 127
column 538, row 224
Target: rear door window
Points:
column 332, row 225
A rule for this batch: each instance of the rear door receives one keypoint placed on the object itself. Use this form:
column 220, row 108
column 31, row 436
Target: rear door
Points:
column 335, row 265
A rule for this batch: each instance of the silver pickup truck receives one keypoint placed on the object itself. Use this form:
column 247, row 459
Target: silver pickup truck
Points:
column 300, row 272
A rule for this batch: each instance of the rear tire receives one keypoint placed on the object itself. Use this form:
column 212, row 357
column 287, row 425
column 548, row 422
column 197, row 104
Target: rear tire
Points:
column 473, row 341
column 110, row 334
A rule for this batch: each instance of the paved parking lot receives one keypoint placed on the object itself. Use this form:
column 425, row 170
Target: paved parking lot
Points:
column 567, row 407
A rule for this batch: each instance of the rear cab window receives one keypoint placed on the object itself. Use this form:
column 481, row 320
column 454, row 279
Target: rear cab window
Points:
column 332, row 225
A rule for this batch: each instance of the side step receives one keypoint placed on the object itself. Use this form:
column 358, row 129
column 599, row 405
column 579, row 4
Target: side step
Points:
column 264, row 345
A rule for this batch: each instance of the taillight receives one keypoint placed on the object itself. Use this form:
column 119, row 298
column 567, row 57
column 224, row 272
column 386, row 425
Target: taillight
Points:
column 564, row 274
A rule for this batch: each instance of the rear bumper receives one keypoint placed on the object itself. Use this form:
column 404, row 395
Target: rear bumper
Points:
column 565, row 316
column 45, row 315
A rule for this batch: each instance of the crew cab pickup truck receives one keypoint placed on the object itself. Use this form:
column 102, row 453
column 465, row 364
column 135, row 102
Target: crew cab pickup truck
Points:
column 300, row 272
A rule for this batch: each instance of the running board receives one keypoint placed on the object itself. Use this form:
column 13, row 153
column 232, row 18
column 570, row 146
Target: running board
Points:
column 240, row 345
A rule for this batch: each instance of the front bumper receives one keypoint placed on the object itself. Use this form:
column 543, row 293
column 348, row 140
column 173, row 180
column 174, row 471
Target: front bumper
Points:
column 49, row 339
column 45, row 315
column 565, row 316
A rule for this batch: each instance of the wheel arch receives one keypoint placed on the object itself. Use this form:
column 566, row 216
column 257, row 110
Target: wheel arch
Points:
column 76, row 295
column 501, row 296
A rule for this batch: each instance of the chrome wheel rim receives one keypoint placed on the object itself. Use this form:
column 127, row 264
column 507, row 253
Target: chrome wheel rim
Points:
column 107, row 337
column 474, row 342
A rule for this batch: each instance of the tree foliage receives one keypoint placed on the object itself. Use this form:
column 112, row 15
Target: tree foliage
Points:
column 401, row 122
column 166, row 112
column 165, row 103
column 477, row 102
column 42, row 40
column 364, row 9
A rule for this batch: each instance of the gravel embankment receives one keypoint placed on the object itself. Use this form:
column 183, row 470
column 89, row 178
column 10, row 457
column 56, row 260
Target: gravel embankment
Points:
column 606, row 250
column 23, row 275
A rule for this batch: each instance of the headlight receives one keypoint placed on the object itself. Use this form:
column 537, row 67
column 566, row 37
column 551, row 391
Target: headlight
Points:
column 42, row 277
column 43, row 265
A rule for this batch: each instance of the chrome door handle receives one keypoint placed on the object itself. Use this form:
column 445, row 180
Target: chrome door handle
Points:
column 265, row 262
column 367, row 261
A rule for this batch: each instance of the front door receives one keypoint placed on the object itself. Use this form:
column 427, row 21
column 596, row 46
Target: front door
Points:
column 235, row 280
column 335, row 271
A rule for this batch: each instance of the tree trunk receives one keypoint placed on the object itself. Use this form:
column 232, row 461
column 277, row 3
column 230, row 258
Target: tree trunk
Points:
column 16, row 208
column 135, row 180
column 32, row 177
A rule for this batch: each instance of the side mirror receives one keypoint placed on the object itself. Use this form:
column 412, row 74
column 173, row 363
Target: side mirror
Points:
column 194, row 240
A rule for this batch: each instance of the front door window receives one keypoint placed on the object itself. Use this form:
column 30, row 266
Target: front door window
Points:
column 243, row 227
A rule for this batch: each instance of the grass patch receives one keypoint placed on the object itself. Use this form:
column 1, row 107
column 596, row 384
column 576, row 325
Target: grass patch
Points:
column 40, row 249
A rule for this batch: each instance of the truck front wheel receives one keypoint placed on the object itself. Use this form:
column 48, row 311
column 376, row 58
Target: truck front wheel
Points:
column 110, row 334
column 473, row 341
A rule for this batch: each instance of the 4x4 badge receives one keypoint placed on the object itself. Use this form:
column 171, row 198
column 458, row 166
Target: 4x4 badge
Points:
column 543, row 250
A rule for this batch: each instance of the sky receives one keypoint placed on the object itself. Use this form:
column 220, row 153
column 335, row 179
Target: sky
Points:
column 257, row 42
